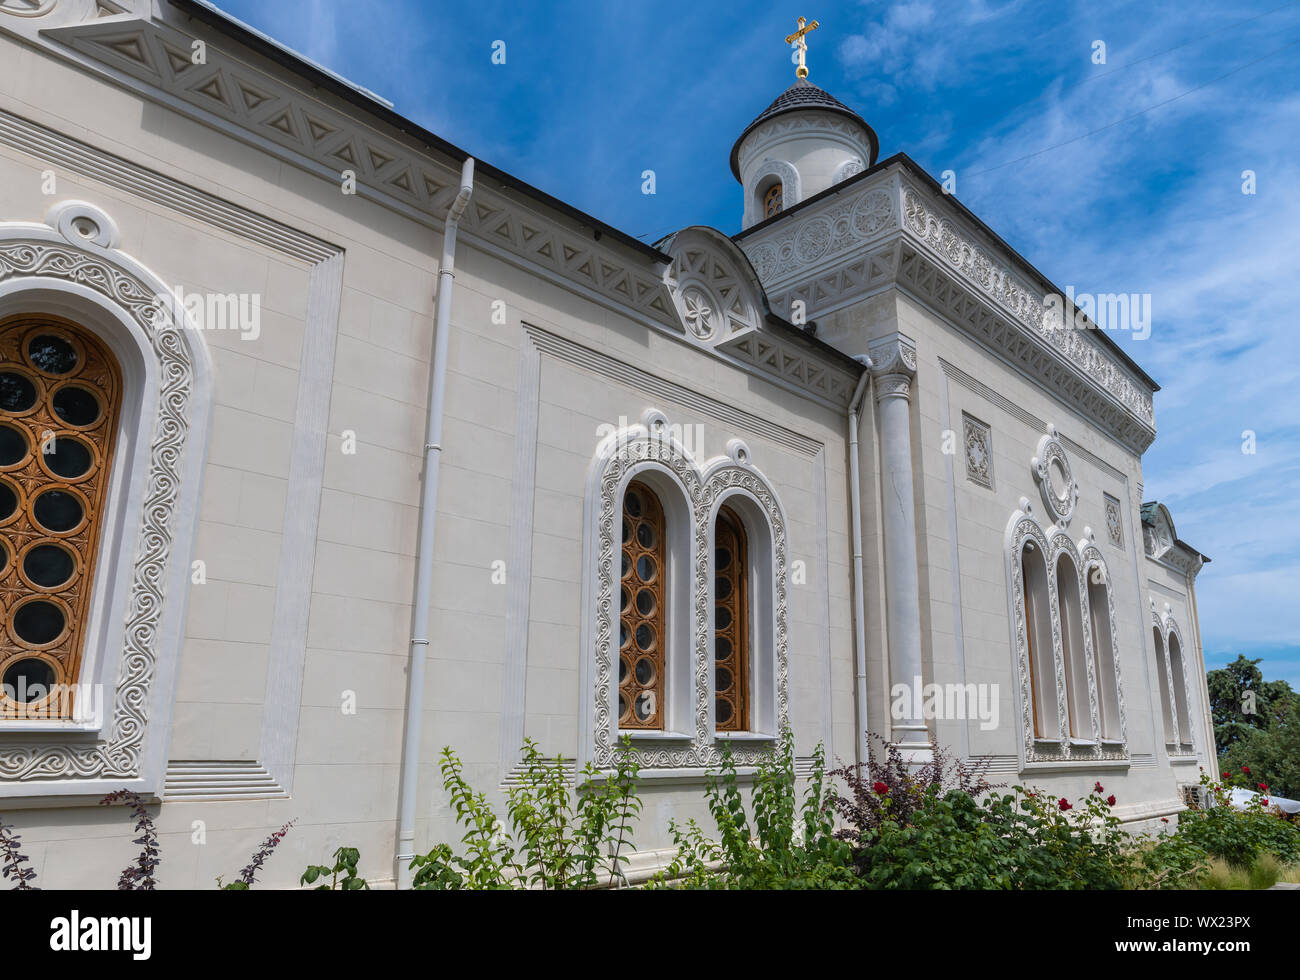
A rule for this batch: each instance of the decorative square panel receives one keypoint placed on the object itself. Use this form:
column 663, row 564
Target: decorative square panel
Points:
column 1114, row 522
column 977, row 447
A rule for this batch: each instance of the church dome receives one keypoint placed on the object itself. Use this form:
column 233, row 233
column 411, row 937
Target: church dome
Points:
column 804, row 142
column 803, row 94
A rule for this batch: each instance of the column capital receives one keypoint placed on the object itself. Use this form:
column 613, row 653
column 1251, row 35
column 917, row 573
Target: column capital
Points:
column 893, row 353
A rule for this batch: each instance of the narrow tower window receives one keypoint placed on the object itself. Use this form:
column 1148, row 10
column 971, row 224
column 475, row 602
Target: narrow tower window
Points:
column 772, row 200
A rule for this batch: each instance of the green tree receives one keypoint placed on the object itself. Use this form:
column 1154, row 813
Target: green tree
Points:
column 1242, row 703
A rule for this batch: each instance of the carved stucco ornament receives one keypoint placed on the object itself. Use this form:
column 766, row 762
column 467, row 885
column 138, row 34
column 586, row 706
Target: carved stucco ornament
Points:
column 27, row 8
column 1055, row 477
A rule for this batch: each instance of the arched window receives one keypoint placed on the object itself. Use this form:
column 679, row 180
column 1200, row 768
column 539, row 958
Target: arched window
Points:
column 772, row 200
column 641, row 621
column 60, row 395
column 731, row 624
column 1076, row 663
column 1038, row 634
column 1166, row 710
column 1178, row 680
column 1103, row 644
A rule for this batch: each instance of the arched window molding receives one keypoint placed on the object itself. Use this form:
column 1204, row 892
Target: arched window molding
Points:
column 1104, row 635
column 771, row 172
column 1163, row 672
column 652, row 451
column 71, row 267
column 763, row 601
column 1076, row 650
column 1053, row 648
column 849, row 168
column 1175, row 649
column 1036, row 637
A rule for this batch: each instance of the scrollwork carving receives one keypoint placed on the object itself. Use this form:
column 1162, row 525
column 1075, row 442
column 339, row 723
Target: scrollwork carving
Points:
column 118, row 754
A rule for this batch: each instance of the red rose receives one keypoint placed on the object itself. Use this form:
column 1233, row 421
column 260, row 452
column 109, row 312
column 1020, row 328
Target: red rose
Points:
column 1032, row 796
column 880, row 788
column 1226, row 776
column 1164, row 819
column 1110, row 800
column 1263, row 802
column 1246, row 770
column 1064, row 804
column 1264, row 787
column 1098, row 788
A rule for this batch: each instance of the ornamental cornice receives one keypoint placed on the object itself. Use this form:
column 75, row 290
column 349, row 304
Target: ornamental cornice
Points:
column 152, row 57
column 885, row 231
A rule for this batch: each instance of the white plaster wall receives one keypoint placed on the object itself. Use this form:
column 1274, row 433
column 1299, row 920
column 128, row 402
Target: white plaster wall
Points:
column 344, row 780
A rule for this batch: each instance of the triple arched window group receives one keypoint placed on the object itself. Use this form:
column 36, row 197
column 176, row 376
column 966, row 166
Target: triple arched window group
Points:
column 644, row 622
column 1070, row 654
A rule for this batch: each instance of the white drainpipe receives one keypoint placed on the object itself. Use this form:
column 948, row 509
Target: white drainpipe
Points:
column 424, row 552
column 859, row 602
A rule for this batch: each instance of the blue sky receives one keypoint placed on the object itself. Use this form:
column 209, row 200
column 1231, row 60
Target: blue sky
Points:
column 1116, row 177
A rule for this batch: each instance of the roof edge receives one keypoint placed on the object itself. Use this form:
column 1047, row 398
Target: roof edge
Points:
column 368, row 102
column 917, row 171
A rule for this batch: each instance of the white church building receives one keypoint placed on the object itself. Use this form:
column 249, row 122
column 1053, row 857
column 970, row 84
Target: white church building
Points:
column 324, row 445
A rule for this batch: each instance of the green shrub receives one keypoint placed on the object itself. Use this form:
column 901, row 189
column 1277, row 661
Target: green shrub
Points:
column 554, row 840
column 1020, row 840
column 791, row 846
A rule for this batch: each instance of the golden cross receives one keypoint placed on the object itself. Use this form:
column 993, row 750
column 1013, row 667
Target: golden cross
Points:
column 797, row 39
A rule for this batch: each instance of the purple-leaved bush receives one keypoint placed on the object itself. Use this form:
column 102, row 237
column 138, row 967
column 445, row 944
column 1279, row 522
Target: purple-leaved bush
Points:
column 249, row 874
column 886, row 789
column 138, row 876
column 12, row 861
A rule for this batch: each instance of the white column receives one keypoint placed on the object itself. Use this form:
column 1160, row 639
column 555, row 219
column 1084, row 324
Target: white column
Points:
column 893, row 366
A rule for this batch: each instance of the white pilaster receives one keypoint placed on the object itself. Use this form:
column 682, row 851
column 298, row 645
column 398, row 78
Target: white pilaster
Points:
column 893, row 368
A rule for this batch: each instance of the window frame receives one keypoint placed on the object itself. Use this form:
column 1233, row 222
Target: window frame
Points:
column 652, row 450
column 71, row 266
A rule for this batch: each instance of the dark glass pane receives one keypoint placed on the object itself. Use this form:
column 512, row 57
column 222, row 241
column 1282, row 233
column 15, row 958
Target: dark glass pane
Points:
column 724, row 617
column 645, row 536
column 48, row 565
column 645, row 602
column 632, row 504
column 622, row 706
column 52, row 354
column 38, row 622
column 645, row 637
column 57, row 510
column 623, row 635
column 722, row 586
column 644, row 702
column 627, row 598
column 722, row 648
column 723, row 712
column 722, row 680
column 8, row 501
column 627, row 531
column 13, row 446
column 17, row 394
column 76, row 405
column 622, row 670
column 4, row 559
column 722, row 558
column 645, row 671
column 69, row 459
column 627, row 564
column 645, row 568
column 29, row 680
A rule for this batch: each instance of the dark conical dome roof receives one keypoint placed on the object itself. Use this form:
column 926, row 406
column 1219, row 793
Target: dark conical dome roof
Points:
column 803, row 94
